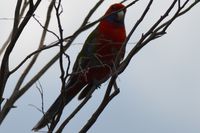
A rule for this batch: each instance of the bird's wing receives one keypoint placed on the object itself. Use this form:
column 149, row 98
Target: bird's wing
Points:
column 88, row 50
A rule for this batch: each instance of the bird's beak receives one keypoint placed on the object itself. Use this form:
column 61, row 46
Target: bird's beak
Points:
column 120, row 15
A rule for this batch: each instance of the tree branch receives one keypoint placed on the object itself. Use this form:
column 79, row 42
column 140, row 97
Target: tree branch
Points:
column 17, row 30
column 9, row 103
column 107, row 98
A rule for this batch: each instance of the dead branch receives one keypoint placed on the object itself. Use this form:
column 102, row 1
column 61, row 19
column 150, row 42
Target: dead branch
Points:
column 10, row 102
column 154, row 31
column 107, row 98
column 22, row 11
column 62, row 71
column 17, row 30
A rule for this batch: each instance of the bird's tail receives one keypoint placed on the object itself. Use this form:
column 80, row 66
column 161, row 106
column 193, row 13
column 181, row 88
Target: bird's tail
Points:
column 57, row 107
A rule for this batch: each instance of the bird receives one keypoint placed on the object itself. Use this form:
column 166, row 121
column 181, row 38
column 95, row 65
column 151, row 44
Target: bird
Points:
column 95, row 62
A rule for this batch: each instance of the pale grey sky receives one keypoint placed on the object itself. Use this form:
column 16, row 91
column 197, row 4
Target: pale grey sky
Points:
column 160, row 89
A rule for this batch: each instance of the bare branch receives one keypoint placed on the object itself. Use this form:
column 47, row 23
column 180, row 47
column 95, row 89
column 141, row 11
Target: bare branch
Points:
column 40, row 89
column 17, row 30
column 4, row 75
column 189, row 8
column 41, row 45
column 45, row 28
column 58, row 13
column 25, row 4
column 91, row 12
column 79, row 107
column 101, row 107
column 62, row 76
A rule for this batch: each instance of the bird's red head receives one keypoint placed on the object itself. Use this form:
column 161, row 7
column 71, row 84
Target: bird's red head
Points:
column 116, row 13
column 115, row 7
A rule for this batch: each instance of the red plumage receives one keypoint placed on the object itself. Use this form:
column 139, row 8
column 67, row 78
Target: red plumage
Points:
column 95, row 62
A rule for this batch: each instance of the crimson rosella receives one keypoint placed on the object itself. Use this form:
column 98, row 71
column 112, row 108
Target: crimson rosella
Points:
column 95, row 62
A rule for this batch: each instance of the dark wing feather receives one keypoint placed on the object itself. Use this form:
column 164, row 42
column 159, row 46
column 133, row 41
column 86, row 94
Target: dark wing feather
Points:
column 88, row 50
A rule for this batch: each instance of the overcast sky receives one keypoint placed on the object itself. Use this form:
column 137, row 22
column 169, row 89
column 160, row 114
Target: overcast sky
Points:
column 160, row 89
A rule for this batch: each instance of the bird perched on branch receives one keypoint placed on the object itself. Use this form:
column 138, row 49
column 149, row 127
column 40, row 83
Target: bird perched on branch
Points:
column 95, row 62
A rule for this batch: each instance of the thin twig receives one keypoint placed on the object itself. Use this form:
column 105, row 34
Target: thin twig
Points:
column 45, row 27
column 62, row 71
